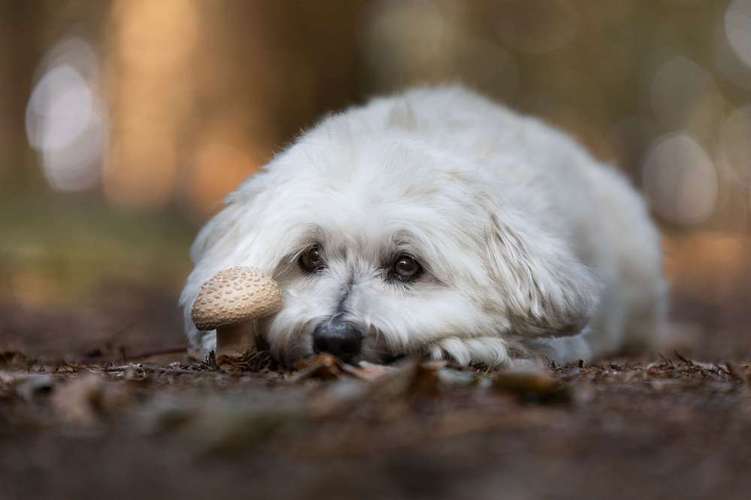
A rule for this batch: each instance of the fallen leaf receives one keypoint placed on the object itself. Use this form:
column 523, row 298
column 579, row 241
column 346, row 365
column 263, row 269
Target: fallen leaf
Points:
column 425, row 381
column 532, row 387
column 322, row 366
column 409, row 380
column 250, row 361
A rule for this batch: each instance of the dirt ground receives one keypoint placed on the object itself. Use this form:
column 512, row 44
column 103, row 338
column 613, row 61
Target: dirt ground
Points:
column 91, row 408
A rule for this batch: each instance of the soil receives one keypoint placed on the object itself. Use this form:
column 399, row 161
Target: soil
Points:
column 101, row 402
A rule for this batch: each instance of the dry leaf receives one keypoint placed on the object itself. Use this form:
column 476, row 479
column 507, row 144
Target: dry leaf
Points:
column 322, row 366
column 411, row 379
column 250, row 361
column 532, row 387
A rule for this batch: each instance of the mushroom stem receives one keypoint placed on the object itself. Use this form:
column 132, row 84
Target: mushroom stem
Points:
column 233, row 340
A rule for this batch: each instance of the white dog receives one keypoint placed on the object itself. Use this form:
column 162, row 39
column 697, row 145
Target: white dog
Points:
column 440, row 223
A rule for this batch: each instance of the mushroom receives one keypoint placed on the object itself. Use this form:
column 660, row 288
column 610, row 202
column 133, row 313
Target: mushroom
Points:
column 229, row 300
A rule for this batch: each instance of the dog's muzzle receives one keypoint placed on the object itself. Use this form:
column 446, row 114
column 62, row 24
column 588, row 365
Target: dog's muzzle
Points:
column 340, row 338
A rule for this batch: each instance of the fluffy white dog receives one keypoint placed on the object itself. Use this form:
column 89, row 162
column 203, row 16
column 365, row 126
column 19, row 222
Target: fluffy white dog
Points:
column 440, row 223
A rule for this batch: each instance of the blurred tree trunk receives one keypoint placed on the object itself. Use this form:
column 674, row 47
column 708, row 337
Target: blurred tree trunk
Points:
column 269, row 69
column 18, row 56
column 203, row 93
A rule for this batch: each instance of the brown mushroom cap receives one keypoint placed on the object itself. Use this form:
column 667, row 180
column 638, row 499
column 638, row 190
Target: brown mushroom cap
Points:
column 234, row 295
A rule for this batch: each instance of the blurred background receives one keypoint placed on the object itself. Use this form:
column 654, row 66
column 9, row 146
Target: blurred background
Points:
column 123, row 124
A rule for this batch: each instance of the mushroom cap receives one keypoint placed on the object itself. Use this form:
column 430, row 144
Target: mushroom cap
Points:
column 234, row 295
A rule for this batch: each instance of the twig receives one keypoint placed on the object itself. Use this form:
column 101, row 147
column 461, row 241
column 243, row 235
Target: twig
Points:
column 665, row 360
column 731, row 370
column 683, row 359
column 161, row 369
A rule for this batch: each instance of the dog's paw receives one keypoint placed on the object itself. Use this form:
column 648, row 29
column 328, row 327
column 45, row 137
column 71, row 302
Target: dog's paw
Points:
column 488, row 351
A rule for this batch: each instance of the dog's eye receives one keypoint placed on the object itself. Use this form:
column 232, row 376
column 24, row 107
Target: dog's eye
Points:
column 406, row 268
column 311, row 260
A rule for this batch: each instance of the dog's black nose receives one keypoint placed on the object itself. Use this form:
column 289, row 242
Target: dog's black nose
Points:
column 337, row 337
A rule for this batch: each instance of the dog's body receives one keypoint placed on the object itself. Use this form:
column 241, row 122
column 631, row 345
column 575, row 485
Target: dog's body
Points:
column 438, row 222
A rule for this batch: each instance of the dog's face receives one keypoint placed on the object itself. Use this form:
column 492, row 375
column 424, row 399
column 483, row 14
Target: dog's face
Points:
column 380, row 261
column 387, row 247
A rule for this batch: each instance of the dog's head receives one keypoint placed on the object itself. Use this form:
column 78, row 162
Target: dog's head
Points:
column 383, row 247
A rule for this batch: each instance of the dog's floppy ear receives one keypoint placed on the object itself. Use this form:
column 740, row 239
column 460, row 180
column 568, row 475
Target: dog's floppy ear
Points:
column 545, row 289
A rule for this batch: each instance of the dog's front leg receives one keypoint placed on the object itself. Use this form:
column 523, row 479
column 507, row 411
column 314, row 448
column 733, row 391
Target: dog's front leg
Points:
column 488, row 351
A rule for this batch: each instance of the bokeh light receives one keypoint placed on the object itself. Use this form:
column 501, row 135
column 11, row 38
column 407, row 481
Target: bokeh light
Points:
column 680, row 179
column 738, row 29
column 678, row 88
column 735, row 146
column 65, row 118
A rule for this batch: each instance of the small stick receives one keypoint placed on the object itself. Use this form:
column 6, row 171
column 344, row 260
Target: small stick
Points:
column 112, row 369
column 682, row 358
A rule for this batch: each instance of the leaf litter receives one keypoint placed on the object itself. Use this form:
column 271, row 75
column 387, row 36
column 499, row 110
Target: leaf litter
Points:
column 246, row 406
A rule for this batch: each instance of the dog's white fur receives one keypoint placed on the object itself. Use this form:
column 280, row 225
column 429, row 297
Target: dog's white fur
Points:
column 530, row 246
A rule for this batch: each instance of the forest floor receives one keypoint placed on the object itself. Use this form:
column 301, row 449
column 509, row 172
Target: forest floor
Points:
column 91, row 408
